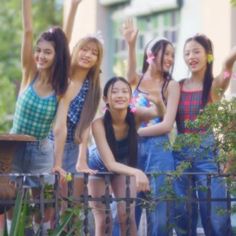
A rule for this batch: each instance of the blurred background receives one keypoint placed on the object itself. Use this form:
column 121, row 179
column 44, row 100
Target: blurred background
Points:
column 175, row 19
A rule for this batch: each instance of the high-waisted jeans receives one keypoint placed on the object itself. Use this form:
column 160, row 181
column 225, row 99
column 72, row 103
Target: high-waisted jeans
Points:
column 154, row 157
column 202, row 160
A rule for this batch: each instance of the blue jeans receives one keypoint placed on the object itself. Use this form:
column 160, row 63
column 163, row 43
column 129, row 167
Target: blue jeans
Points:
column 154, row 157
column 34, row 158
column 202, row 160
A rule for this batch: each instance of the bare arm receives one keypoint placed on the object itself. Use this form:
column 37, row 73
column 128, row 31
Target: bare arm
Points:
column 69, row 23
column 169, row 118
column 60, row 131
column 82, row 165
column 130, row 34
column 27, row 61
column 109, row 160
column 221, row 82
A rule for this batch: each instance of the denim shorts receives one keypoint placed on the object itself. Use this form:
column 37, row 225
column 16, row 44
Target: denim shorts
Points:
column 95, row 162
column 34, row 158
column 71, row 152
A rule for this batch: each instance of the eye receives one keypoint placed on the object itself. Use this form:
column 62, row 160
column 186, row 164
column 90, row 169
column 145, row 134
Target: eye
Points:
column 186, row 54
column 48, row 52
column 113, row 91
column 85, row 49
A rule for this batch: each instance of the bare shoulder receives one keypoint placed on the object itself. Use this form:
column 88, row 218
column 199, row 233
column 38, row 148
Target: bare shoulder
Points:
column 97, row 122
column 173, row 84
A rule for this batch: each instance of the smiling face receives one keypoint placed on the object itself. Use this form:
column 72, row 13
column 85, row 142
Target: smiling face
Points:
column 195, row 56
column 44, row 55
column 118, row 96
column 168, row 58
column 88, row 55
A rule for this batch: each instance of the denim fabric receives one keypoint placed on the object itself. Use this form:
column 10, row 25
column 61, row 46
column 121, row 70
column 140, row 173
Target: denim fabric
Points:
column 201, row 160
column 155, row 157
column 71, row 152
column 94, row 161
column 34, row 158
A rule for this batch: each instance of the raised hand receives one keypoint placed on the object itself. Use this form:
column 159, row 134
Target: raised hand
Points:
column 129, row 31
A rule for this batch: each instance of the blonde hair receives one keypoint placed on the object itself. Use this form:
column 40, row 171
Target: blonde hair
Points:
column 94, row 92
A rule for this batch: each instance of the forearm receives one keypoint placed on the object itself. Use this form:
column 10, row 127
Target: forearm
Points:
column 69, row 23
column 83, row 147
column 221, row 82
column 59, row 143
column 27, row 15
column 131, row 73
column 229, row 62
column 155, row 130
column 120, row 168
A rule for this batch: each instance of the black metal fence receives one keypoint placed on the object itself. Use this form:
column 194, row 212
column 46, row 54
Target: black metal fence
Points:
column 79, row 208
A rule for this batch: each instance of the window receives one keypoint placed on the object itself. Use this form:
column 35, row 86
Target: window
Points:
column 161, row 24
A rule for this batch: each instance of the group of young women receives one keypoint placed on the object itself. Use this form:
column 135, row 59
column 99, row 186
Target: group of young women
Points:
column 62, row 91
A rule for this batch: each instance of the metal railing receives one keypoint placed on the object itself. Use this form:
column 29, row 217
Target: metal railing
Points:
column 149, row 202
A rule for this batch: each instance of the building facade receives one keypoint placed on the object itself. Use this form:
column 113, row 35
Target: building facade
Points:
column 174, row 19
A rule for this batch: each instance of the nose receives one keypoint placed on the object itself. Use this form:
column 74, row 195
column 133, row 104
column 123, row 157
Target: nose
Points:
column 41, row 55
column 88, row 53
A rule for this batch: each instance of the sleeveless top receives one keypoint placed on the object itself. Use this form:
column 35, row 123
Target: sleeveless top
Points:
column 139, row 100
column 74, row 112
column 34, row 115
column 122, row 150
column 190, row 105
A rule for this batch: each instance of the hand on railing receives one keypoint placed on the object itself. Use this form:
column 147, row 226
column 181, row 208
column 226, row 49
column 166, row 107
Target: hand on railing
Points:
column 83, row 167
column 62, row 173
column 142, row 182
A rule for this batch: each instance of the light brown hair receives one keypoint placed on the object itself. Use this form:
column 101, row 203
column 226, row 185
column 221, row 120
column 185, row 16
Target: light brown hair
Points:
column 94, row 92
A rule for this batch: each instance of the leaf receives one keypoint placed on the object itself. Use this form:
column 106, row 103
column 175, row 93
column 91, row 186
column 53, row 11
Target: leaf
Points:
column 17, row 213
column 60, row 228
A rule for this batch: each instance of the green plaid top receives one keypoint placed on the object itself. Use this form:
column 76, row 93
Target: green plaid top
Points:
column 34, row 114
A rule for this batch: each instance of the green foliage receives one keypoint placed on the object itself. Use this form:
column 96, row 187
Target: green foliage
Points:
column 45, row 14
column 70, row 223
column 7, row 100
column 233, row 2
column 219, row 118
column 20, row 214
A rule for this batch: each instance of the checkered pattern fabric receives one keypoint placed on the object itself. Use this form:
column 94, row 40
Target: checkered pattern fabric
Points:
column 190, row 105
column 34, row 115
column 74, row 112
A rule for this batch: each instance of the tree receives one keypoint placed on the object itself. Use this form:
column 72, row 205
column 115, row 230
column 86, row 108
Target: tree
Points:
column 233, row 2
column 45, row 13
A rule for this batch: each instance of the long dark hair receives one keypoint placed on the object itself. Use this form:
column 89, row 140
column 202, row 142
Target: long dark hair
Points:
column 130, row 120
column 159, row 47
column 61, row 65
column 208, row 76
